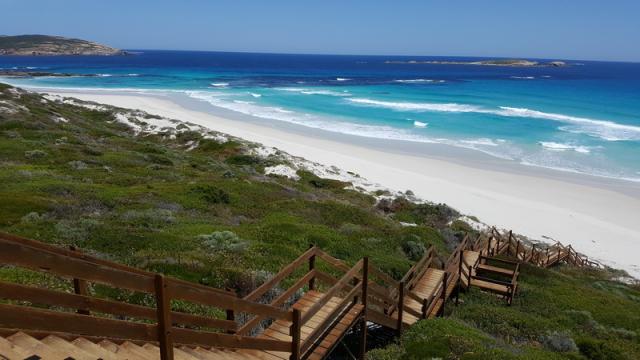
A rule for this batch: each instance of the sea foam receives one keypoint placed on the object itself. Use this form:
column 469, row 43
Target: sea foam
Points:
column 564, row 147
column 603, row 129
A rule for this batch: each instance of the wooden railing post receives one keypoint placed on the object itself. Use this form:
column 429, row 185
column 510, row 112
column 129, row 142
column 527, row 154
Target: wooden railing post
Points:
column 231, row 317
column 163, row 308
column 400, row 306
column 365, row 283
column 461, row 259
column 444, row 292
column 548, row 256
column 425, row 306
column 295, row 335
column 518, row 250
column 80, row 287
column 497, row 250
column 489, row 245
column 312, row 265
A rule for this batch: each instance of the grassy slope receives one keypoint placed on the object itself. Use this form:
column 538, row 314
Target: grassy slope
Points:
column 562, row 313
column 144, row 201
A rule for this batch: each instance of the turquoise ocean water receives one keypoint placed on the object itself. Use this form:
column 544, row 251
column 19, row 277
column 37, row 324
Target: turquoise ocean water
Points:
column 582, row 118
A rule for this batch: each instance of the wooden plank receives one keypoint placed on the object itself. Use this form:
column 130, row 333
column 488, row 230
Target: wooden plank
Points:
column 12, row 351
column 21, row 317
column 210, row 298
column 486, row 285
column 76, row 254
column 73, row 301
column 193, row 337
column 92, row 348
column 36, row 347
column 67, row 348
column 335, row 313
column 337, row 333
column 332, row 292
column 495, row 269
column 332, row 261
column 249, row 325
column 39, row 260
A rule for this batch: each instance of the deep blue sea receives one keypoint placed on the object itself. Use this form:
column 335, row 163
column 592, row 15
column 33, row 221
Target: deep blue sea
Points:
column 583, row 118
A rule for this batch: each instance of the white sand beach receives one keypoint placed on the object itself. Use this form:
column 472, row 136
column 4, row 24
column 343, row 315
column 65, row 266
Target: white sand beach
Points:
column 599, row 217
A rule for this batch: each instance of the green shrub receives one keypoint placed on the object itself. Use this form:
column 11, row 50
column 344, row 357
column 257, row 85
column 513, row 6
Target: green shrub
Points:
column 414, row 249
column 211, row 194
column 223, row 241
column 243, row 160
column 560, row 342
column 148, row 218
column 599, row 350
column 35, row 154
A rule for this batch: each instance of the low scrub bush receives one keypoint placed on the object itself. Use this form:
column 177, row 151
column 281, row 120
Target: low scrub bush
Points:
column 224, row 241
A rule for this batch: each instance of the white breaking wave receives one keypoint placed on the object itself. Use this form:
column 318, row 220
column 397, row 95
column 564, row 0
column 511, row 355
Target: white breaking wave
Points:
column 220, row 84
column 420, row 124
column 255, row 95
column 342, row 79
column 564, row 147
column 349, row 128
column 604, row 129
column 523, row 77
column 418, row 81
column 315, row 91
column 408, row 106
column 104, row 75
column 484, row 142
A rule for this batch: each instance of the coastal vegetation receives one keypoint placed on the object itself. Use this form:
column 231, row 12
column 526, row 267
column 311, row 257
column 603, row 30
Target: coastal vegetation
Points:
column 28, row 45
column 169, row 196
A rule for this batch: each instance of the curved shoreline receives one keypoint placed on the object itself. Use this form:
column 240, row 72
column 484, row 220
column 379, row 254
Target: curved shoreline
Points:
column 597, row 215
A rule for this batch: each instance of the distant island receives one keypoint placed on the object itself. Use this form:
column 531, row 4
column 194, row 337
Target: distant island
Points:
column 494, row 62
column 45, row 45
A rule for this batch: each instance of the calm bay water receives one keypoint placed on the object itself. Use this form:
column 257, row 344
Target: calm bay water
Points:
column 583, row 118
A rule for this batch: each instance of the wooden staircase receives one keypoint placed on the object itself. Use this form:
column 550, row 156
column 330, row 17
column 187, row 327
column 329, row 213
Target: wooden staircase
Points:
column 307, row 320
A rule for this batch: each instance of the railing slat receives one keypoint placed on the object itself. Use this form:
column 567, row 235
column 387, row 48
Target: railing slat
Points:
column 28, row 318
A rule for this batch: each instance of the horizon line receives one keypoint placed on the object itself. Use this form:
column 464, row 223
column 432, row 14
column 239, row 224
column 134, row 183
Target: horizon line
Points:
column 382, row 55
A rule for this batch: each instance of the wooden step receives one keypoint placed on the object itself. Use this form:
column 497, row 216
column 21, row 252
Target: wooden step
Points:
column 36, row 347
column 94, row 349
column 139, row 351
column 495, row 269
column 337, row 332
column 68, row 348
column 470, row 257
column 486, row 285
column 120, row 352
column 10, row 351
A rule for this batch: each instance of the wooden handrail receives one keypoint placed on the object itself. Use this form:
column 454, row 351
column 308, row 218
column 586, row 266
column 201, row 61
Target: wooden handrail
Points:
column 92, row 259
column 332, row 292
column 286, row 271
column 73, row 301
column 75, row 265
column 278, row 301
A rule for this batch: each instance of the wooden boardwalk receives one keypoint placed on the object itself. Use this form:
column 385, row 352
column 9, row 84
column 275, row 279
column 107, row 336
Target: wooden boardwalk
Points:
column 307, row 320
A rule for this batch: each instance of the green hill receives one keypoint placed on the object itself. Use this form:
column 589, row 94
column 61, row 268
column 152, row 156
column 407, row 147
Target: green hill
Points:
column 52, row 45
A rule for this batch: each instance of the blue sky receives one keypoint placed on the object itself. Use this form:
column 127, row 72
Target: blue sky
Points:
column 568, row 29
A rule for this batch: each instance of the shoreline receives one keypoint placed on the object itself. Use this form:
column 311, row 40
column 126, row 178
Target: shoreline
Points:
column 598, row 216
